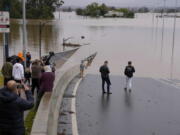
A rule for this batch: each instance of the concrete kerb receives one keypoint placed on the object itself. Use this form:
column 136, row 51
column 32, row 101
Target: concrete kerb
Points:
column 57, row 97
column 46, row 120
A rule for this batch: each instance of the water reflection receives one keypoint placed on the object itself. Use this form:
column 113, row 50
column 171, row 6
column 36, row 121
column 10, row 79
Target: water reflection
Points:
column 105, row 101
column 128, row 100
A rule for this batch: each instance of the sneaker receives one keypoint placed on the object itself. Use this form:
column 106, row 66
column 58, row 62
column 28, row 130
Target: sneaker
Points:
column 125, row 89
column 109, row 93
column 130, row 90
column 104, row 92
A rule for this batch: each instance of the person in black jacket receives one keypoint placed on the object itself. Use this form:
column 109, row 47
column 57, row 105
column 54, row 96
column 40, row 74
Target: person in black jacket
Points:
column 12, row 108
column 129, row 71
column 104, row 70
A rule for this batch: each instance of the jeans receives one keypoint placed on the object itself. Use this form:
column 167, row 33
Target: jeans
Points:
column 35, row 84
column 129, row 83
column 108, row 82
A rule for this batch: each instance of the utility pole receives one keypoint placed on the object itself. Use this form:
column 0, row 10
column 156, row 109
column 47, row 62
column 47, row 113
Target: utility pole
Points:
column 24, row 30
column 59, row 4
column 162, row 40
column 173, row 42
column 40, row 33
column 41, row 26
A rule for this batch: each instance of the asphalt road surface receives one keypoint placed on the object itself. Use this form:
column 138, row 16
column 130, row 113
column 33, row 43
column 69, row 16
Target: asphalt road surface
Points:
column 152, row 108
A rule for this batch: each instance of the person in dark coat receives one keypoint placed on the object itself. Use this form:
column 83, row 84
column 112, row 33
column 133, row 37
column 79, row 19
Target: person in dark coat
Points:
column 46, row 83
column 12, row 108
column 36, row 70
column 129, row 71
column 104, row 70
column 28, row 59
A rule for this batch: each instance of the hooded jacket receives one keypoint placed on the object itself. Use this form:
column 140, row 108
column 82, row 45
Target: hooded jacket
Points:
column 12, row 108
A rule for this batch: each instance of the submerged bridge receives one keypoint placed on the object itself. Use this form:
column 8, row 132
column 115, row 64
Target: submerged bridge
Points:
column 78, row 107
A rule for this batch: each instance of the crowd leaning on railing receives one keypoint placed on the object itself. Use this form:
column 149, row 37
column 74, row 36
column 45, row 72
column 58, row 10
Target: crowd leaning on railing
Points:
column 23, row 75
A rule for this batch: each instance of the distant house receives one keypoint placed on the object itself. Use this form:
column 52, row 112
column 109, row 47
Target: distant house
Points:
column 114, row 14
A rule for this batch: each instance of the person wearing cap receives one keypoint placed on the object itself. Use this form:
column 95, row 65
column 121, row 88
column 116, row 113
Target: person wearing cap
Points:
column 18, row 71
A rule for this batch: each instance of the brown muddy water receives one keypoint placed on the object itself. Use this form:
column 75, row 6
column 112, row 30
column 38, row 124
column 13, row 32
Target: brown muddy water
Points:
column 116, row 40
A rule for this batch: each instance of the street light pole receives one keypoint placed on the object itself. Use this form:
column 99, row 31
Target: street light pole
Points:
column 24, row 30
column 59, row 4
column 40, row 33
column 41, row 25
column 173, row 42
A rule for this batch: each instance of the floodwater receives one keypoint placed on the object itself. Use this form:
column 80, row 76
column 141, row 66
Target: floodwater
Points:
column 116, row 40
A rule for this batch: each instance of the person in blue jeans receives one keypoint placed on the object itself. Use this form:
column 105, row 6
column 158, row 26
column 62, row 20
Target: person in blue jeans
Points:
column 104, row 70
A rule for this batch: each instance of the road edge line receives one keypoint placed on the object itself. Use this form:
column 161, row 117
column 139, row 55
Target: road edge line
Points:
column 73, row 109
column 168, row 84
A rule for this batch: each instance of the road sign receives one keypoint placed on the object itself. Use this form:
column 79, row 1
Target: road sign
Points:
column 4, row 22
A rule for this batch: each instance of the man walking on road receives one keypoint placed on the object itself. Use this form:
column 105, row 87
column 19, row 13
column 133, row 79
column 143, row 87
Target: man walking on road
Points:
column 104, row 70
column 129, row 71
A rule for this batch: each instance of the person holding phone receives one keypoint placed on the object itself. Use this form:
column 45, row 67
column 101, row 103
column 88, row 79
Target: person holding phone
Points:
column 12, row 108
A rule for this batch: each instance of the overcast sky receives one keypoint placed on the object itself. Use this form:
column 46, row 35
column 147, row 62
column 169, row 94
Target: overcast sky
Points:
column 120, row 3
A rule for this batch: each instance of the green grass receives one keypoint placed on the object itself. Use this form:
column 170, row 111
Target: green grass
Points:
column 29, row 121
column 1, row 80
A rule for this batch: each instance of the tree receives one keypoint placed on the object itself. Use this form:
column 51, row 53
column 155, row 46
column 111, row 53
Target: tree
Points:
column 14, row 6
column 41, row 9
column 93, row 10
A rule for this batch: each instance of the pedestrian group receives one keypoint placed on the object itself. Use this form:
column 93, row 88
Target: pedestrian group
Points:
column 128, row 72
column 19, row 78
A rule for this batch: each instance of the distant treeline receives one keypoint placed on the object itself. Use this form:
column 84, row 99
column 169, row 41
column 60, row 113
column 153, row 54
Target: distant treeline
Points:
column 97, row 10
column 133, row 9
column 35, row 9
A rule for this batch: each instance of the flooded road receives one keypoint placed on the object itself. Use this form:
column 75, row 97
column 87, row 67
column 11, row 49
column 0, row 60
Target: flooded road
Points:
column 152, row 108
column 116, row 40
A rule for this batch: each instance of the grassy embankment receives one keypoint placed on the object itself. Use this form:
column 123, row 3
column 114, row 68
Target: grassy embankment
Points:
column 1, row 80
column 29, row 121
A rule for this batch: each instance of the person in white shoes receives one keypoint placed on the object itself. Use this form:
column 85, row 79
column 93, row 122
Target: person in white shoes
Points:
column 129, row 71
column 18, row 71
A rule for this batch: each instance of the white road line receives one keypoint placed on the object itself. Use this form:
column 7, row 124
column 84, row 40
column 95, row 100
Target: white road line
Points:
column 73, row 109
column 172, row 85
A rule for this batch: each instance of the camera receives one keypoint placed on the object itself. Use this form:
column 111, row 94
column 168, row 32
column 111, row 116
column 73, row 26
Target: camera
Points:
column 20, row 86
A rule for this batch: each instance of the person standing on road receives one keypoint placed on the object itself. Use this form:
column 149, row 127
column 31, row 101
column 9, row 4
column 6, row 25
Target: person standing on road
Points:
column 7, row 71
column 18, row 71
column 129, row 71
column 104, row 70
column 12, row 107
column 82, row 68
